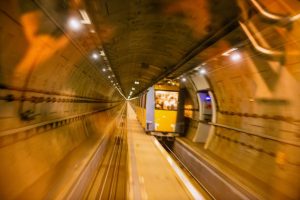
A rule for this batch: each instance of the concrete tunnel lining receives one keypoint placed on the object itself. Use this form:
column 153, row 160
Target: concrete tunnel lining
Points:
column 51, row 87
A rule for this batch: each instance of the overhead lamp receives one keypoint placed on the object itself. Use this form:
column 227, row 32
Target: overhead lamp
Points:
column 74, row 24
column 136, row 82
column 103, row 69
column 133, row 88
column 183, row 79
column 235, row 56
column 108, row 77
column 202, row 71
column 95, row 56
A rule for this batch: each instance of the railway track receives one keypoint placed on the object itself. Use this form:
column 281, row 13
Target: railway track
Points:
column 110, row 179
column 204, row 191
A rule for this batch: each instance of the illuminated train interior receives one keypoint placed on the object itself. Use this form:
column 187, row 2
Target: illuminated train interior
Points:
column 150, row 99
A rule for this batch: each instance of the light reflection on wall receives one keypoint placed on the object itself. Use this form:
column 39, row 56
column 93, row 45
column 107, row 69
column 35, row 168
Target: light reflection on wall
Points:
column 36, row 53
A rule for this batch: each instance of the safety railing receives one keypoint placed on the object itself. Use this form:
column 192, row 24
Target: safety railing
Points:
column 257, row 46
column 274, row 17
column 264, row 136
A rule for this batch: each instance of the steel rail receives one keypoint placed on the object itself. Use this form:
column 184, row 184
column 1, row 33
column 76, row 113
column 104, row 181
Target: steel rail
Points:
column 99, row 195
column 186, row 168
column 114, row 182
column 114, row 157
column 93, row 182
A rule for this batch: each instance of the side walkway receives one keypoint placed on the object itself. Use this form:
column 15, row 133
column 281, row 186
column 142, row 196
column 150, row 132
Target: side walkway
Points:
column 151, row 176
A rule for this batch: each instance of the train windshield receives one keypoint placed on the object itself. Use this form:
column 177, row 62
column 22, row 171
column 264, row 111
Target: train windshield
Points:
column 166, row 100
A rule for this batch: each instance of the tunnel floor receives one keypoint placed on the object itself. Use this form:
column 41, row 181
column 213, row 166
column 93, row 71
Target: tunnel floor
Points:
column 151, row 176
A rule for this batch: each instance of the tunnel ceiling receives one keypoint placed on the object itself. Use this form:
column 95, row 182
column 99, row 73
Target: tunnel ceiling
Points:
column 145, row 39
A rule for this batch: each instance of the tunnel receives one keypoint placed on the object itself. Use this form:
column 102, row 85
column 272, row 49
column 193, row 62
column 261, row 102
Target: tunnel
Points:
column 150, row 99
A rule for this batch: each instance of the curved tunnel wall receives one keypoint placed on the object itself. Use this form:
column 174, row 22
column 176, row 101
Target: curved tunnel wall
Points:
column 258, row 110
column 50, row 91
column 53, row 99
column 44, row 73
column 256, row 126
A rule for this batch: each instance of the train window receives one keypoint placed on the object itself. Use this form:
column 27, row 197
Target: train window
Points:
column 141, row 101
column 205, row 106
column 144, row 100
column 188, row 105
column 166, row 100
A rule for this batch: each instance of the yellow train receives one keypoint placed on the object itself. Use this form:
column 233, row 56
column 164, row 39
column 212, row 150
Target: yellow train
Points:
column 157, row 109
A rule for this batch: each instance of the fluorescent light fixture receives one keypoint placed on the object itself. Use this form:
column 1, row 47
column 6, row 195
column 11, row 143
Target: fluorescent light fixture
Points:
column 102, row 53
column 85, row 17
column 74, row 24
column 227, row 53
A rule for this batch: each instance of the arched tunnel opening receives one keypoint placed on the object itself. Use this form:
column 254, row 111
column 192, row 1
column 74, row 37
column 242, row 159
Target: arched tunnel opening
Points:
column 148, row 99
